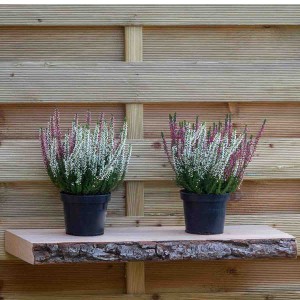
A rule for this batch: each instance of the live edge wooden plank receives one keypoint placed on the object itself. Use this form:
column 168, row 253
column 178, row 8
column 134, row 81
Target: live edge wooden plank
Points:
column 289, row 223
column 276, row 158
column 44, row 246
column 151, row 15
column 211, row 81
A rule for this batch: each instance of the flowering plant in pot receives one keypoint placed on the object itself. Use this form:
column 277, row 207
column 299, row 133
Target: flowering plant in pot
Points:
column 86, row 165
column 209, row 164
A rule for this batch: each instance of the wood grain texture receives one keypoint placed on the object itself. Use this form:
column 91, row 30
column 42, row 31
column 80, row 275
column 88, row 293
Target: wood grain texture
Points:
column 92, row 295
column 135, row 198
column 218, row 276
column 135, row 278
column 61, row 44
column 135, row 120
column 43, row 199
column 54, row 82
column 53, row 246
column 20, row 278
column 135, row 271
column 222, row 43
column 133, row 43
column 276, row 158
column 124, row 15
column 22, row 121
column 289, row 223
column 282, row 118
column 255, row 197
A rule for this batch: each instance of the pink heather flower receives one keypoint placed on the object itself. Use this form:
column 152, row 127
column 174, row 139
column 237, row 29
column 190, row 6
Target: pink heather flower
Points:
column 88, row 118
column 57, row 134
column 44, row 147
column 72, row 139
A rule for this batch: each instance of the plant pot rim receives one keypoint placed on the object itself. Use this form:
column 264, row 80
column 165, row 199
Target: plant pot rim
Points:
column 183, row 191
column 188, row 196
column 90, row 199
column 89, row 195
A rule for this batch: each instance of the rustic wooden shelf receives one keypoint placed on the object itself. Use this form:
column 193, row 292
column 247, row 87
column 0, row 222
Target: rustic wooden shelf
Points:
column 50, row 246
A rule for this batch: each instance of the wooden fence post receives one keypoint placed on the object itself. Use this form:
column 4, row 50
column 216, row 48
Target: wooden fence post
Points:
column 135, row 273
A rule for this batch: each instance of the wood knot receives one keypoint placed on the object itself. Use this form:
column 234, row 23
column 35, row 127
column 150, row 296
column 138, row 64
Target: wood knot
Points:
column 232, row 271
column 269, row 297
column 237, row 196
column 40, row 20
column 156, row 145
column 271, row 145
column 12, row 75
column 155, row 297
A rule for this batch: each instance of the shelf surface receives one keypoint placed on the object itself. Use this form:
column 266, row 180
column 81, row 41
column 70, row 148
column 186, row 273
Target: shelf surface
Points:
column 45, row 246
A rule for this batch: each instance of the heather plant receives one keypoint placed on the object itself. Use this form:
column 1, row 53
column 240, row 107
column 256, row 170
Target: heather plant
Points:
column 85, row 161
column 209, row 160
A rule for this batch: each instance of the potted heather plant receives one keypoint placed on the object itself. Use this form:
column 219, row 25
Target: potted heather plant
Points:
column 209, row 164
column 86, row 164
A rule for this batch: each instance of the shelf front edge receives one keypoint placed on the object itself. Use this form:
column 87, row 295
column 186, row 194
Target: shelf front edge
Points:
column 171, row 245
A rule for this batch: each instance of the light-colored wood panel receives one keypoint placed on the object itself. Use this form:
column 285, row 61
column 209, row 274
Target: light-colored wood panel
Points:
column 221, row 276
column 222, row 43
column 61, row 43
column 135, row 273
column 135, row 278
column 22, row 121
column 149, row 82
column 255, row 197
column 149, row 15
column 283, row 119
column 276, row 158
column 135, row 120
column 43, row 199
column 18, row 278
column 289, row 223
column 133, row 43
column 135, row 198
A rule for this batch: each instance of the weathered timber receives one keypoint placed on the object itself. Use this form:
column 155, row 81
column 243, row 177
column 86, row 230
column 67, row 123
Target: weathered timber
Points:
column 140, row 82
column 50, row 246
column 276, row 158
column 150, row 15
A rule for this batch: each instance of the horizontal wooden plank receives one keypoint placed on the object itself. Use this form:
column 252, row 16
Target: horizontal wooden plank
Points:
column 255, row 197
column 43, row 199
column 53, row 246
column 149, row 14
column 282, row 118
column 61, row 43
column 22, row 121
column 51, row 82
column 276, row 158
column 93, row 295
column 221, row 43
column 20, row 278
column 289, row 223
column 218, row 276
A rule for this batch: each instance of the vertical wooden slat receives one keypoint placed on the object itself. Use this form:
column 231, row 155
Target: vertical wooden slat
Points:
column 135, row 271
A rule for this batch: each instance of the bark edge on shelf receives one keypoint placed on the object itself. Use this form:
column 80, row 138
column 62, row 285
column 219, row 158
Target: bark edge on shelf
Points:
column 51, row 246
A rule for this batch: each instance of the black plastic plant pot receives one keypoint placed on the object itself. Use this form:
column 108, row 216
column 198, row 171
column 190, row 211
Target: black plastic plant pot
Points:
column 85, row 214
column 204, row 214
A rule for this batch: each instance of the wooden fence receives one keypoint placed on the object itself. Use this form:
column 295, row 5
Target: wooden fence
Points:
column 146, row 62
